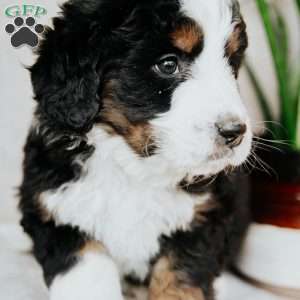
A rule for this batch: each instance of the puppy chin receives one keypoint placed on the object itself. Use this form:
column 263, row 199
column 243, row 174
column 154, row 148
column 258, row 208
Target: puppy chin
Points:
column 229, row 161
column 208, row 162
column 209, row 169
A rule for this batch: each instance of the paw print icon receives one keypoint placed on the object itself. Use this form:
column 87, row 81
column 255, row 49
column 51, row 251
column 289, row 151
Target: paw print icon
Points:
column 24, row 32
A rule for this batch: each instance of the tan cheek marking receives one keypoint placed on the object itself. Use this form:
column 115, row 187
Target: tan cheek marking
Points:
column 166, row 284
column 140, row 139
column 138, row 136
column 187, row 37
column 92, row 246
column 113, row 115
column 114, row 121
column 44, row 214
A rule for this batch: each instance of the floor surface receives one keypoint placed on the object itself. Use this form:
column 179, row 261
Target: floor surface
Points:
column 21, row 277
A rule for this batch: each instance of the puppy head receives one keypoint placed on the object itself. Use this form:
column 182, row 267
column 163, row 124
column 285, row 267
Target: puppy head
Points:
column 161, row 74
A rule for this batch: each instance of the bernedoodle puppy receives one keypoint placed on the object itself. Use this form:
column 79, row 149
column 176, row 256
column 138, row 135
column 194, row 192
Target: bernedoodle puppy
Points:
column 138, row 122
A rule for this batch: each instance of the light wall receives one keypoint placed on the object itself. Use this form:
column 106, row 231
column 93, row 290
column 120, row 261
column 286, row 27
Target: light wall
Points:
column 259, row 55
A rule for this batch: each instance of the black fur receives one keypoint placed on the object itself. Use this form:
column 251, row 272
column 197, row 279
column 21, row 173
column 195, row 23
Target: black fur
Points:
column 47, row 166
column 95, row 43
column 209, row 247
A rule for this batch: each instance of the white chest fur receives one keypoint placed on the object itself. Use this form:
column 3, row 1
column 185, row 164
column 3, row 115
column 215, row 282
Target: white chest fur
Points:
column 123, row 203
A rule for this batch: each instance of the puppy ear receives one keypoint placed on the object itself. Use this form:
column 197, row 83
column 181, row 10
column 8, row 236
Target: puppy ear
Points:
column 64, row 77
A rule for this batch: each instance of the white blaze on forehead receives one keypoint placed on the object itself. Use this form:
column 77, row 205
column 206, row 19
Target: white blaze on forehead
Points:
column 214, row 10
column 212, row 78
column 214, row 16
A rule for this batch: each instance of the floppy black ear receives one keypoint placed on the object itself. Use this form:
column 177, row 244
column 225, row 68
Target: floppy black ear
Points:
column 64, row 77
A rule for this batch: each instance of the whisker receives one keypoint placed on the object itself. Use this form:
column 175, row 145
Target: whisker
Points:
column 271, row 122
column 263, row 146
column 265, row 167
column 251, row 166
column 265, row 129
column 276, row 125
column 280, row 142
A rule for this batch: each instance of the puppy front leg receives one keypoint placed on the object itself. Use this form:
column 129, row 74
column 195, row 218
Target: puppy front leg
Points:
column 166, row 284
column 93, row 277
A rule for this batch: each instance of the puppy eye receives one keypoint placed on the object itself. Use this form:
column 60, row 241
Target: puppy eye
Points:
column 168, row 65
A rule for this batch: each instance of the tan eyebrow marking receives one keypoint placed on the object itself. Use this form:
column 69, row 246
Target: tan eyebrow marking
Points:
column 187, row 36
column 236, row 40
column 92, row 246
column 114, row 120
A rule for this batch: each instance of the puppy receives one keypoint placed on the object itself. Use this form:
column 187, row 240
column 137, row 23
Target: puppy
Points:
column 138, row 115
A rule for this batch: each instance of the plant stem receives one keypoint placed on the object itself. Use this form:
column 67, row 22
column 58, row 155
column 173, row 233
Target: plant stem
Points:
column 298, row 5
column 281, row 32
column 297, row 137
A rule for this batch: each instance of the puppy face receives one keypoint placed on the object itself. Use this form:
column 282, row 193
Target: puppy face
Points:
column 175, row 89
column 161, row 75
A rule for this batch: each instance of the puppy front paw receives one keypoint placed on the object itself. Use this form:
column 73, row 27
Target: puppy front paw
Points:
column 178, row 293
column 165, row 285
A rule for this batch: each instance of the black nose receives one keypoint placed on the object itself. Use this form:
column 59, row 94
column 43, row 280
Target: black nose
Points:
column 232, row 132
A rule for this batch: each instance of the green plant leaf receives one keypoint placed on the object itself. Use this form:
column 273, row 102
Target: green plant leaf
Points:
column 298, row 5
column 282, row 37
column 297, row 117
column 287, row 114
column 297, row 137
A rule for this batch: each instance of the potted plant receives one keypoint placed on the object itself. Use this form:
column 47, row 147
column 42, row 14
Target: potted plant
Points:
column 271, row 254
